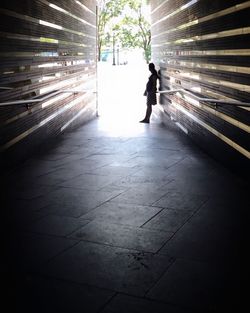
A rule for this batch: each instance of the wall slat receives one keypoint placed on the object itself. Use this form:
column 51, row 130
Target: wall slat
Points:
column 46, row 47
column 204, row 47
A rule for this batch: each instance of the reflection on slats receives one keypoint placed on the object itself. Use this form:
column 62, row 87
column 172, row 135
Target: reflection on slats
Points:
column 205, row 48
column 178, row 10
column 227, row 33
column 52, row 47
column 210, row 17
column 212, row 130
column 216, row 67
column 42, row 22
column 204, row 52
column 43, row 122
column 68, row 11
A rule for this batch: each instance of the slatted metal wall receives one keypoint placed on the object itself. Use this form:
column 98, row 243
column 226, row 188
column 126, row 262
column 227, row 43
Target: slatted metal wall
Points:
column 204, row 46
column 47, row 51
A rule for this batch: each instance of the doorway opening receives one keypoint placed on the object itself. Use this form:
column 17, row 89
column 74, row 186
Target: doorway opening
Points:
column 123, row 55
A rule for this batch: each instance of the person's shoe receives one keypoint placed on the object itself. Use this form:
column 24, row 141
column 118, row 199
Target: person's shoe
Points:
column 144, row 121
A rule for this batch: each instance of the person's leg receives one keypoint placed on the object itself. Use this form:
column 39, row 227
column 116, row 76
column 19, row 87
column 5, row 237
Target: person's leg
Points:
column 148, row 114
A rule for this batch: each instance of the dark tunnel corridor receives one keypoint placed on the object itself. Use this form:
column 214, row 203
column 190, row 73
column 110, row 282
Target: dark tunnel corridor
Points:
column 101, row 213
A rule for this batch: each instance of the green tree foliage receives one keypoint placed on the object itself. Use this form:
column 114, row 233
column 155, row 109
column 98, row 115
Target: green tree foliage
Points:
column 135, row 29
column 108, row 11
column 127, row 19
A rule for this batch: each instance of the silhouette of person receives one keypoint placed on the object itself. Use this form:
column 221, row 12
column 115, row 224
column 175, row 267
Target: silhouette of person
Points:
column 150, row 92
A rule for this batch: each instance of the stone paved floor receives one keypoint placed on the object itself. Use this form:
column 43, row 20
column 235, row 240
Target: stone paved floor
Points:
column 135, row 220
column 121, row 217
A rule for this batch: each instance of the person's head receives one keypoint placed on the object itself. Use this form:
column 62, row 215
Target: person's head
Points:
column 151, row 67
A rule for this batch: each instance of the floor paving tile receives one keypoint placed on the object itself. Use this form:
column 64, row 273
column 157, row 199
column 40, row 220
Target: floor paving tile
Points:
column 26, row 205
column 142, row 195
column 34, row 167
column 123, row 236
column 58, row 176
column 200, row 183
column 124, row 304
column 22, row 220
column 57, row 225
column 133, row 215
column 28, row 252
column 85, row 151
column 181, row 201
column 134, row 181
column 211, row 234
column 115, row 170
column 76, row 202
column 36, row 294
column 151, row 161
column 191, row 284
column 65, row 149
column 89, row 181
column 53, row 156
column 32, row 191
column 169, row 220
column 108, row 267
column 52, row 164
column 108, row 158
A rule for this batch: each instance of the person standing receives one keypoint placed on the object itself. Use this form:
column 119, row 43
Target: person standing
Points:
column 150, row 92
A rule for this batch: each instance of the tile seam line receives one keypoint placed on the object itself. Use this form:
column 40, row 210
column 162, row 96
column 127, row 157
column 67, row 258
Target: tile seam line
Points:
column 59, row 253
column 188, row 219
column 51, row 236
column 171, row 180
column 171, row 261
column 104, row 202
column 106, row 304
column 146, row 298
column 161, row 209
column 133, row 250
column 213, row 260
column 65, row 280
column 61, row 180
column 174, row 304
column 120, row 224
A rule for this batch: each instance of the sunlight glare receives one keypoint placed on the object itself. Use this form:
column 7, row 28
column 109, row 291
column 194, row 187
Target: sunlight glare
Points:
column 120, row 95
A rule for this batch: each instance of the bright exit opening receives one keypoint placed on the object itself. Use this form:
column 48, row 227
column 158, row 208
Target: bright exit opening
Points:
column 124, row 51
